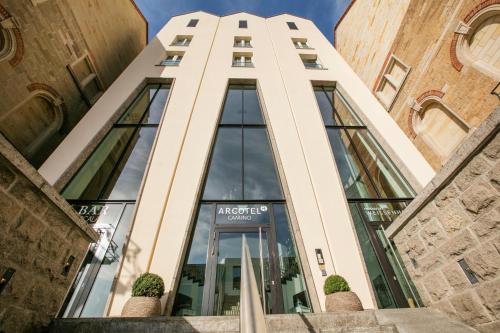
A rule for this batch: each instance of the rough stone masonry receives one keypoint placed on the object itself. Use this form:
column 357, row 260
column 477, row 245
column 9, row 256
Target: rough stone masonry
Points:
column 39, row 231
column 457, row 218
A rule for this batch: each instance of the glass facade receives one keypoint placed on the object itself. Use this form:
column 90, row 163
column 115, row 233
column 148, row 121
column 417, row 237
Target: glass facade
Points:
column 242, row 196
column 104, row 191
column 376, row 192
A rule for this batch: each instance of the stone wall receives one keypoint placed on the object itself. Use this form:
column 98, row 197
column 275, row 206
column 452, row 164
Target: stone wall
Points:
column 39, row 232
column 423, row 42
column 457, row 216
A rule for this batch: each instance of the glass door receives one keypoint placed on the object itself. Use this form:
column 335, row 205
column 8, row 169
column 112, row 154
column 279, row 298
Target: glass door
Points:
column 225, row 269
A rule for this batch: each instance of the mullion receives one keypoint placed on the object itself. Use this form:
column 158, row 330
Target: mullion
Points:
column 346, row 126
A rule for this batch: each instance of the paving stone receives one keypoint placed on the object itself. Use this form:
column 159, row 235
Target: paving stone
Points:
column 446, row 196
column 484, row 262
column 469, row 308
column 433, row 234
column 476, row 167
column 453, row 217
column 456, row 277
column 436, row 286
column 479, row 198
column 460, row 243
column 487, row 225
column 489, row 292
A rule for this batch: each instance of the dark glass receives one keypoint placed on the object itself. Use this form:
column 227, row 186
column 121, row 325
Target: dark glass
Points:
column 292, row 25
column 127, row 177
column 325, row 107
column 224, row 178
column 192, row 23
column 260, row 177
column 386, row 177
column 243, row 24
column 295, row 298
column 344, row 114
column 155, row 111
column 252, row 114
column 90, row 180
column 233, row 107
column 189, row 298
column 136, row 110
column 354, row 179
column 242, row 214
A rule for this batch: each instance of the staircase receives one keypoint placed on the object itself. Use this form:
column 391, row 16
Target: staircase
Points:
column 369, row 321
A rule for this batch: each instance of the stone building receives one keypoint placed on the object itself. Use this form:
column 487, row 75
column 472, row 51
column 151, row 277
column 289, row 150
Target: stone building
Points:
column 56, row 59
column 431, row 64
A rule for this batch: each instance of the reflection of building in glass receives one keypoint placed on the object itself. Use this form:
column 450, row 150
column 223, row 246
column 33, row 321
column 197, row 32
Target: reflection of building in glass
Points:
column 289, row 152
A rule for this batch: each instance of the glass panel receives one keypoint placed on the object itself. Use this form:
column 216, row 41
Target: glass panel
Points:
column 135, row 111
column 228, row 278
column 325, row 107
column 224, row 179
column 92, row 177
column 242, row 214
column 354, row 179
column 233, row 107
column 344, row 111
column 382, row 211
column 126, row 180
column 386, row 177
column 189, row 298
column 377, row 276
column 251, row 107
column 295, row 297
column 155, row 111
column 260, row 177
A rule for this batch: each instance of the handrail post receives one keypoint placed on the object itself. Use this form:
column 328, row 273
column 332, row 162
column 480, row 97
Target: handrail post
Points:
column 252, row 318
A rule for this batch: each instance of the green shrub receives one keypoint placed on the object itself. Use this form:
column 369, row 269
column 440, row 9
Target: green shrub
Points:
column 149, row 285
column 334, row 284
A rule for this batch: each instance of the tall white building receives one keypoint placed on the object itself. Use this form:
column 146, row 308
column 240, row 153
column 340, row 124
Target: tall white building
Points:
column 231, row 126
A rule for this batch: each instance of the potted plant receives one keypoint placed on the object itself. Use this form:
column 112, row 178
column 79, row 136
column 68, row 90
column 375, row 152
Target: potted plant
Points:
column 146, row 293
column 339, row 296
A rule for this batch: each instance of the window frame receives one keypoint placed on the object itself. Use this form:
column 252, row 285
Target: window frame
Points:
column 243, row 24
column 82, row 83
column 292, row 25
column 192, row 23
column 386, row 78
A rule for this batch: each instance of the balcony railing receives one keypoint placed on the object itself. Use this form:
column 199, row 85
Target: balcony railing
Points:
column 304, row 46
column 170, row 62
column 237, row 44
column 181, row 43
column 242, row 64
column 313, row 65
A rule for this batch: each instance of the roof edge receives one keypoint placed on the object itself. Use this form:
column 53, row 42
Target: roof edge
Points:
column 340, row 21
column 142, row 16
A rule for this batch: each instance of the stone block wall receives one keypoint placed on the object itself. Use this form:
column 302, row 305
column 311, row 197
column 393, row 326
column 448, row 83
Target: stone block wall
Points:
column 39, row 231
column 457, row 216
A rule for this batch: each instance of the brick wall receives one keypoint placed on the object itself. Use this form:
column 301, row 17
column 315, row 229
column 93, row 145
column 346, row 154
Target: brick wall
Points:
column 457, row 216
column 39, row 231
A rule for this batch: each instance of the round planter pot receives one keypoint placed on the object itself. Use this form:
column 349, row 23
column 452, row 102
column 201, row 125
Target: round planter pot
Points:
column 142, row 307
column 343, row 301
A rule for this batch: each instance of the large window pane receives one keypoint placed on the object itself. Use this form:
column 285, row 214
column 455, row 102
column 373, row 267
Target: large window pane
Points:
column 383, row 173
column 344, row 111
column 92, row 177
column 224, row 179
column 325, row 106
column 127, row 177
column 252, row 113
column 260, row 177
column 354, row 179
column 233, row 107
column 155, row 111
column 188, row 301
column 135, row 111
column 295, row 297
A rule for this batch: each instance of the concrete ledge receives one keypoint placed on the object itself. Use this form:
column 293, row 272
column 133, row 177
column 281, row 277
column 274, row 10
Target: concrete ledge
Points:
column 468, row 149
column 26, row 169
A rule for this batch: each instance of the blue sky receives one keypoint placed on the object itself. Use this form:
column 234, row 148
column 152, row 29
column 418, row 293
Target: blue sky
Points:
column 325, row 13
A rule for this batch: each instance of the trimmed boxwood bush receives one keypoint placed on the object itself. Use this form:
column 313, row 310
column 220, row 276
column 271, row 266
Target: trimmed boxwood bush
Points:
column 149, row 285
column 334, row 284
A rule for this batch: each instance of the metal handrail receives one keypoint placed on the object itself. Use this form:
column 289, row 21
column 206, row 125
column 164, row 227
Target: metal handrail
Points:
column 252, row 318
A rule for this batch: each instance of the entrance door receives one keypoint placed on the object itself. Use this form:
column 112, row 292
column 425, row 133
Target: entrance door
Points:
column 223, row 290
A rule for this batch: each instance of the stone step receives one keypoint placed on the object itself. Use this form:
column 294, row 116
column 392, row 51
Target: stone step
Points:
column 369, row 321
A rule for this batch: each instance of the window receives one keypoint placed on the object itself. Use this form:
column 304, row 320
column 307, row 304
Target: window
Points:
column 241, row 178
column 311, row 61
column 192, row 23
column 172, row 59
column 85, row 76
column 104, row 191
column 392, row 80
column 376, row 193
column 440, row 128
column 7, row 38
column 292, row 25
column 33, row 126
column 300, row 43
column 243, row 24
column 242, row 42
column 242, row 59
column 182, row 40
column 477, row 40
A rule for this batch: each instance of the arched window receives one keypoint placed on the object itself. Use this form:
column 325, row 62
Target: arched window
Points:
column 7, row 37
column 477, row 40
column 440, row 127
column 33, row 124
